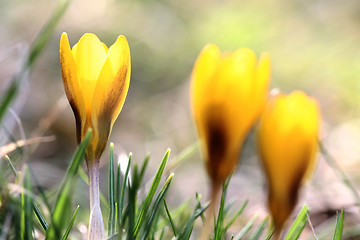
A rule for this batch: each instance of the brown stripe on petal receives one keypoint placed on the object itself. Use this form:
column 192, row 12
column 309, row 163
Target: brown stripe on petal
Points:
column 67, row 80
column 77, row 120
column 115, row 95
column 216, row 145
column 282, row 209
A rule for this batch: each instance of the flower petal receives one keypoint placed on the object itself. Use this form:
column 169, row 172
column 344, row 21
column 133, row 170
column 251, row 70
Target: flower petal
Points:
column 202, row 81
column 71, row 84
column 90, row 56
column 111, row 89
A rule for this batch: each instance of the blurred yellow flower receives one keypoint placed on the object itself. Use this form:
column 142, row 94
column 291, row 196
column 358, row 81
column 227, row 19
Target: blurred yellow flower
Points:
column 96, row 81
column 288, row 141
column 228, row 93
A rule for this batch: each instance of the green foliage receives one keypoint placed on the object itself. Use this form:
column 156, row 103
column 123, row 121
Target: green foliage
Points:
column 37, row 47
column 299, row 224
column 26, row 213
column 339, row 225
column 63, row 200
column 66, row 234
column 112, row 216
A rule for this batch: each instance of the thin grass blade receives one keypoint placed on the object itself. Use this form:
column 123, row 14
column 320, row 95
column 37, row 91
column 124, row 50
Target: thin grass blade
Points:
column 37, row 211
column 170, row 219
column 232, row 220
column 186, row 231
column 36, row 48
column 246, row 228
column 298, row 225
column 260, row 229
column 151, row 194
column 68, row 229
column 111, row 223
column 121, row 194
column 143, row 167
column 154, row 212
column 26, row 213
column 339, row 225
column 40, row 217
column 221, row 216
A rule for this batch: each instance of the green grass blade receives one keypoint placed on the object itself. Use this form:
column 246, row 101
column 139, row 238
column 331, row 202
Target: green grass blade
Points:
column 221, row 215
column 260, row 229
column 198, row 200
column 44, row 36
column 26, row 212
column 237, row 215
column 270, row 234
column 68, row 229
column 40, row 217
column 10, row 94
column 339, row 225
column 37, row 211
column 10, row 165
column 182, row 156
column 62, row 202
column 170, row 219
column 246, row 228
column 36, row 48
column 155, row 207
column 121, row 194
column 111, row 224
column 151, row 194
column 143, row 168
column 39, row 189
column 186, row 231
column 298, row 225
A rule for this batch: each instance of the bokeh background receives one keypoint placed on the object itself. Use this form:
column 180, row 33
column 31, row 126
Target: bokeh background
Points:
column 314, row 47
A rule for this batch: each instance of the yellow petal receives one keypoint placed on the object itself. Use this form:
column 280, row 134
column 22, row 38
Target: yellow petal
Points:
column 71, row 84
column 202, row 78
column 90, row 56
column 262, row 81
column 111, row 89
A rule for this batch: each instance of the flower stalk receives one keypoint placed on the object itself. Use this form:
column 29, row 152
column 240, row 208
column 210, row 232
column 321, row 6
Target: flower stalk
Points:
column 96, row 223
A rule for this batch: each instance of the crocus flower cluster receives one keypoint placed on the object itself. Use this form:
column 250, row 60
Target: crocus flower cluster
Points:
column 228, row 96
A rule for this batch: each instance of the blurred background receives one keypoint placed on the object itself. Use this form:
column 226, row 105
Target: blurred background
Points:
column 314, row 47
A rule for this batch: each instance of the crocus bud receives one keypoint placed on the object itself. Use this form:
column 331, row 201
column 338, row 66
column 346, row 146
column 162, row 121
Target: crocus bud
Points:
column 288, row 141
column 96, row 80
column 228, row 93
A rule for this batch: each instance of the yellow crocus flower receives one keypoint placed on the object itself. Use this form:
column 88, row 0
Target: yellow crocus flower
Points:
column 96, row 80
column 288, row 141
column 228, row 93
